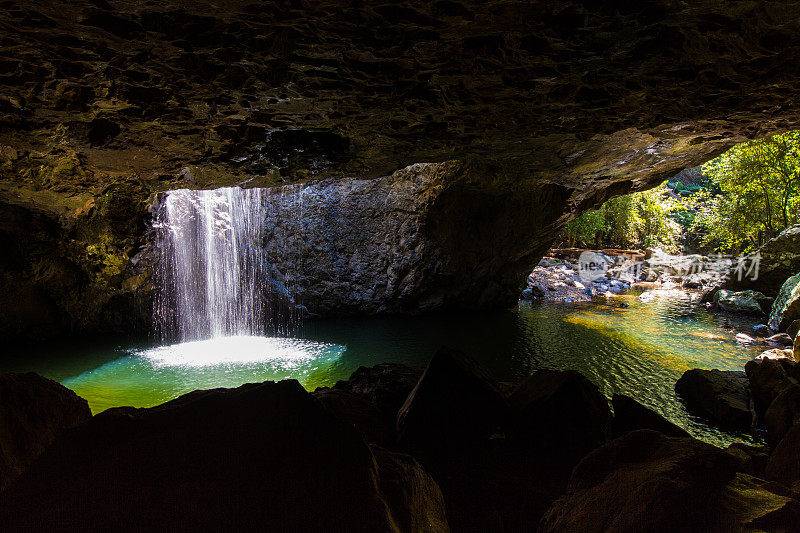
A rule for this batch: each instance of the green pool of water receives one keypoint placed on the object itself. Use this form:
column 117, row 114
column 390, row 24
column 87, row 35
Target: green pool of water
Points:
column 640, row 350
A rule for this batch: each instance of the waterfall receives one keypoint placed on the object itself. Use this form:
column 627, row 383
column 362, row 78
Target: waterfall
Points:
column 212, row 278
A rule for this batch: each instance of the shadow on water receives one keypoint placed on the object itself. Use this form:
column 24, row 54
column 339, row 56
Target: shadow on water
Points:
column 639, row 350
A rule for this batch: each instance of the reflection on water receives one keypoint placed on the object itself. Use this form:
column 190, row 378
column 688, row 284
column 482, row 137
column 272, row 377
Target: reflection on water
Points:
column 640, row 350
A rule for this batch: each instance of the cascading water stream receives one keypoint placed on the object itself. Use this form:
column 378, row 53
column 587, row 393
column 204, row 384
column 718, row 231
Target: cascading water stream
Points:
column 212, row 276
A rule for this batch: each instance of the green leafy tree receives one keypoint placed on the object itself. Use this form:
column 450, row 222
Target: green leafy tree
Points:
column 758, row 195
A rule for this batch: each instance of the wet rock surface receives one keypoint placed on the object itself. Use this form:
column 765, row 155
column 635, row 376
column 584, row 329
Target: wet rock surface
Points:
column 647, row 481
column 34, row 411
column 721, row 396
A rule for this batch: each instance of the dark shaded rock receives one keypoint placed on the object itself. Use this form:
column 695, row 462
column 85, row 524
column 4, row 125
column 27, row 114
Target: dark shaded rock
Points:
column 262, row 456
column 386, row 385
column 783, row 414
column 721, row 396
column 630, row 415
column 413, row 496
column 784, row 463
column 453, row 410
column 767, row 378
column 762, row 330
column 752, row 459
column 645, row 481
column 33, row 412
column 793, row 328
column 354, row 410
column 782, row 339
column 559, row 414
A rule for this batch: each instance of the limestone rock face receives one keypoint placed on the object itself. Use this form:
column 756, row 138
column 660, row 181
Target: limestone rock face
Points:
column 262, row 456
column 550, row 108
column 645, row 481
column 33, row 412
column 721, row 396
column 783, row 414
column 786, row 308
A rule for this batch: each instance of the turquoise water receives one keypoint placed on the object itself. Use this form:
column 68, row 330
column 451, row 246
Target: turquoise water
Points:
column 640, row 350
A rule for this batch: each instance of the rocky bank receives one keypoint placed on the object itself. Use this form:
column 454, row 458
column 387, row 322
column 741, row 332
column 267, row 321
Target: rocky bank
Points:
column 392, row 449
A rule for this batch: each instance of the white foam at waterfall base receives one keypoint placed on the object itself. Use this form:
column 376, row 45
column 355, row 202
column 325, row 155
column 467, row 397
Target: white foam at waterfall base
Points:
column 240, row 350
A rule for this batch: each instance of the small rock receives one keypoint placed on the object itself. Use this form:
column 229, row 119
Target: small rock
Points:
column 793, row 328
column 777, row 353
column 721, row 396
column 745, row 339
column 761, row 330
column 781, row 338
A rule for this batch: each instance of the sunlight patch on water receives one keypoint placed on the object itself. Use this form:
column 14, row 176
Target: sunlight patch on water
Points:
column 148, row 377
column 237, row 350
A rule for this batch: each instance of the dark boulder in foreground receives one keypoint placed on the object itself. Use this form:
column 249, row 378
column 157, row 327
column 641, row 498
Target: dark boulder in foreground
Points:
column 784, row 463
column 630, row 415
column 262, row 456
column 768, row 378
column 560, row 414
column 645, row 481
column 33, row 412
column 721, row 396
column 783, row 413
column 386, row 385
column 453, row 410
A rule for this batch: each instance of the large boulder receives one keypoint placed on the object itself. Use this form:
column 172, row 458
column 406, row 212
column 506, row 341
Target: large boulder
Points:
column 33, row 412
column 721, row 396
column 783, row 413
column 386, row 385
column 784, row 463
column 751, row 302
column 786, row 308
column 780, row 259
column 453, row 410
column 768, row 377
column 560, row 414
column 262, row 456
column 630, row 415
column 355, row 410
column 646, row 481
column 413, row 496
